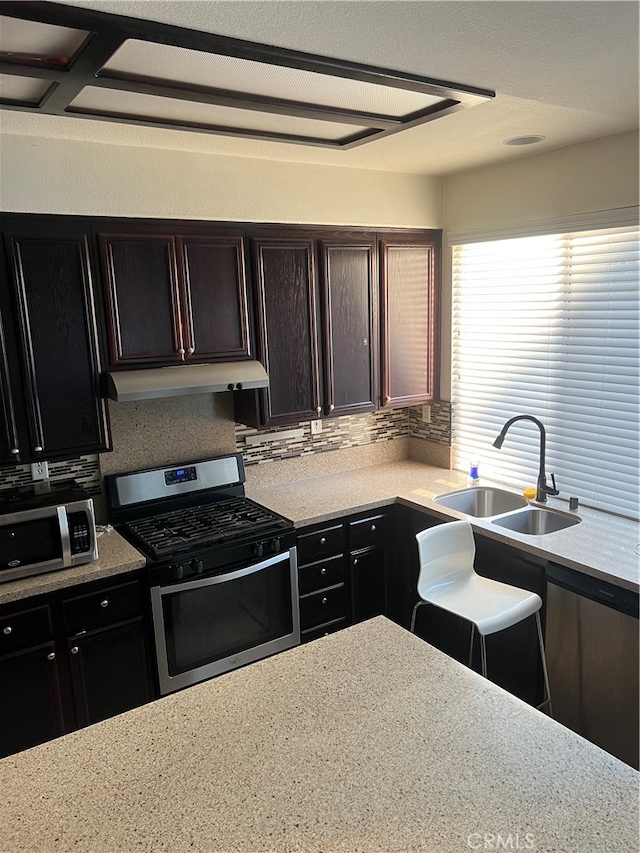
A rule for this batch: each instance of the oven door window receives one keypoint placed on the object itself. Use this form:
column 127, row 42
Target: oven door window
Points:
column 29, row 543
column 215, row 618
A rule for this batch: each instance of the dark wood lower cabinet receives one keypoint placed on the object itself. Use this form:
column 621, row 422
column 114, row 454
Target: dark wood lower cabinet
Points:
column 30, row 698
column 109, row 671
column 67, row 662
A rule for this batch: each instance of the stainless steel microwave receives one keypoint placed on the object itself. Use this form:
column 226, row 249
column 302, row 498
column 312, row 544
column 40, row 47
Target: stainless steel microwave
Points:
column 45, row 527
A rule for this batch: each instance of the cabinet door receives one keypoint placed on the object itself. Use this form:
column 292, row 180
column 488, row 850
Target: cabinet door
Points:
column 214, row 297
column 142, row 299
column 9, row 442
column 287, row 329
column 409, row 272
column 30, row 699
column 109, row 671
column 58, row 344
column 349, row 300
column 369, row 583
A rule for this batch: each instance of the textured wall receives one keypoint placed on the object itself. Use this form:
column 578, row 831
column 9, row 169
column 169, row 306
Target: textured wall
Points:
column 63, row 176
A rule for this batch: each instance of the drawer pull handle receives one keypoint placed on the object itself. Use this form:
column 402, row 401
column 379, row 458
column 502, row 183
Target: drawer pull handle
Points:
column 323, row 571
column 373, row 528
column 15, row 451
column 51, row 656
column 355, row 561
column 104, row 603
column 323, row 541
column 75, row 650
column 324, row 600
column 38, row 449
column 7, row 630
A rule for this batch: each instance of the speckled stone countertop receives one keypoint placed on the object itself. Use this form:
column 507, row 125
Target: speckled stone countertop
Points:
column 115, row 556
column 367, row 741
column 602, row 545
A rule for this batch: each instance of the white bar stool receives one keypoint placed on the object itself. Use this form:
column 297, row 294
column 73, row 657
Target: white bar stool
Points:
column 447, row 579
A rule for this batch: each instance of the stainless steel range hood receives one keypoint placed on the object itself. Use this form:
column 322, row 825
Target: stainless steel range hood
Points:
column 152, row 382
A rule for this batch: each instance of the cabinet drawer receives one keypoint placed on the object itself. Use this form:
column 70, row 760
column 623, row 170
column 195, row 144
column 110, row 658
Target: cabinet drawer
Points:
column 324, row 630
column 368, row 532
column 25, row 628
column 107, row 607
column 324, row 606
column 321, row 543
column 324, row 573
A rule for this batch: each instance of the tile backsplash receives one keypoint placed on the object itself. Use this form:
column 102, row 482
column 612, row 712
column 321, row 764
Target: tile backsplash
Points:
column 345, row 432
column 85, row 469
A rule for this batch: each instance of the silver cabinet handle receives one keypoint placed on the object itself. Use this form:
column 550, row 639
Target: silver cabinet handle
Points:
column 331, row 407
column 318, row 409
column 191, row 350
column 7, row 630
column 74, row 650
column 323, row 541
column 15, row 451
column 38, row 449
column 180, row 351
column 323, row 571
column 104, row 603
column 324, row 600
column 51, row 656
column 373, row 528
column 355, row 561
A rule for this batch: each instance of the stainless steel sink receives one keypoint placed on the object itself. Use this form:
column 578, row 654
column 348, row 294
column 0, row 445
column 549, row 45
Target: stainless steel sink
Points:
column 481, row 501
column 536, row 521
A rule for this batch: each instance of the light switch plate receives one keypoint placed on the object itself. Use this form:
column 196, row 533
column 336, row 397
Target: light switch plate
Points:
column 39, row 471
column 426, row 413
column 316, row 427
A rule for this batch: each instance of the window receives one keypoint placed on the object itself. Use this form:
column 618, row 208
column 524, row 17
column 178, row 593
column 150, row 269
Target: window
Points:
column 548, row 326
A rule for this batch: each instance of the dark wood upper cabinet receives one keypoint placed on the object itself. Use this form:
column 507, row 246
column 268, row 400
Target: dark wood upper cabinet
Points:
column 409, row 274
column 348, row 287
column 51, row 393
column 172, row 298
column 286, row 317
column 315, row 308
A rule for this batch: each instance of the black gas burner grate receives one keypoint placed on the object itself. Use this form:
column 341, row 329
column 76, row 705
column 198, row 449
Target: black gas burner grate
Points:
column 203, row 525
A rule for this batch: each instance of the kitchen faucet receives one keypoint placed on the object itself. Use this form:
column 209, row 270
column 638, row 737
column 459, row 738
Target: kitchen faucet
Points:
column 543, row 489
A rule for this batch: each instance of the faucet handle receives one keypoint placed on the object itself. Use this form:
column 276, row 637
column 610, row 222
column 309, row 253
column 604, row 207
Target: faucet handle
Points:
column 552, row 490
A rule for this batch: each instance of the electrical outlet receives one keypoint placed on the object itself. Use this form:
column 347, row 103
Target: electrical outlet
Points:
column 316, row 427
column 39, row 471
column 426, row 414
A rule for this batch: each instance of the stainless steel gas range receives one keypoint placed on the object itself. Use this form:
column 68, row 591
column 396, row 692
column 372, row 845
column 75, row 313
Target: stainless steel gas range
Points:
column 222, row 569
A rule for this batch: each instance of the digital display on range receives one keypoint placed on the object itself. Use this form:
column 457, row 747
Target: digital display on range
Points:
column 180, row 475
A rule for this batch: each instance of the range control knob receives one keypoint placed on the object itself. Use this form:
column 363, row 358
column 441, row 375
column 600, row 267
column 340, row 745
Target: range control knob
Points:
column 258, row 549
column 197, row 566
column 178, row 571
column 274, row 546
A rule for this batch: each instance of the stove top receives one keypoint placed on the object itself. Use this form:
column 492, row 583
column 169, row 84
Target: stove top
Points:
column 203, row 526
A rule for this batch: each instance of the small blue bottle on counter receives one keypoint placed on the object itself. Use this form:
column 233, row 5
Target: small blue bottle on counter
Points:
column 474, row 476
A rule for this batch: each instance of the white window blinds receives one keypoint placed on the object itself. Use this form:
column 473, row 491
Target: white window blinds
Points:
column 548, row 326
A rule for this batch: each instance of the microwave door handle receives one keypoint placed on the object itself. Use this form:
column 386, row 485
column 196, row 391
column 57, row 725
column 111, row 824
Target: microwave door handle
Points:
column 63, row 523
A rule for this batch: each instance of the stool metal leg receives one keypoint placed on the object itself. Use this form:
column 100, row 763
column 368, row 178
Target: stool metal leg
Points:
column 413, row 615
column 543, row 657
column 473, row 631
column 483, row 654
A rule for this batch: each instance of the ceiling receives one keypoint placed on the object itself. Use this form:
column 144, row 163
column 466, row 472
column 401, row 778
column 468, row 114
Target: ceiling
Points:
column 567, row 71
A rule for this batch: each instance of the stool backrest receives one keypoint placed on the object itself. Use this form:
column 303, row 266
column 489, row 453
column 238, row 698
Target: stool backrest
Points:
column 447, row 552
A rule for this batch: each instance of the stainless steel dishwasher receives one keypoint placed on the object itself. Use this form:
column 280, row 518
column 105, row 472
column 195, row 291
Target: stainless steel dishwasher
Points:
column 592, row 656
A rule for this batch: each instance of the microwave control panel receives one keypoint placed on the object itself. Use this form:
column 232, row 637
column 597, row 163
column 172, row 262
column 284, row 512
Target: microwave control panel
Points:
column 79, row 532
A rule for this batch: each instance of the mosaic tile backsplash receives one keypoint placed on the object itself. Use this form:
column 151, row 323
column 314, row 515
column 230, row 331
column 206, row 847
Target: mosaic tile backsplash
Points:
column 85, row 469
column 346, row 431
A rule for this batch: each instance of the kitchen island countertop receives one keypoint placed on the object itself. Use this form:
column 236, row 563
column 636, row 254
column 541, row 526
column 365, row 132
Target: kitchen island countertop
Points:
column 367, row 741
column 602, row 545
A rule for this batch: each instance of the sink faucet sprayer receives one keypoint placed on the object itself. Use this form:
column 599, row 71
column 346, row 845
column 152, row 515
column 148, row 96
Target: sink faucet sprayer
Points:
column 543, row 489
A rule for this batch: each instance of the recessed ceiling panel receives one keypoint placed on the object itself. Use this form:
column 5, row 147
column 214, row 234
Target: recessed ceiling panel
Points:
column 192, row 67
column 162, row 110
column 31, row 40
column 22, row 89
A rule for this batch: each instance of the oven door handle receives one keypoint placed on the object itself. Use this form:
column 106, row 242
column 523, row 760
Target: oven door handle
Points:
column 223, row 577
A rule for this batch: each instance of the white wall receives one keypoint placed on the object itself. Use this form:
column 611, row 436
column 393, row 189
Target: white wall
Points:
column 593, row 176
column 40, row 175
